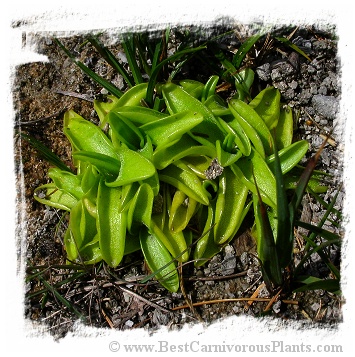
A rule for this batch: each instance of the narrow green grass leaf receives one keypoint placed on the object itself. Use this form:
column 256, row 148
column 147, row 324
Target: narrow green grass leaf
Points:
column 319, row 250
column 303, row 182
column 39, row 274
column 319, row 231
column 130, row 51
column 325, row 204
column 159, row 67
column 267, row 249
column 324, row 218
column 293, row 46
column 95, row 77
column 64, row 301
column 244, row 49
column 111, row 60
column 285, row 237
column 313, row 283
column 160, row 49
column 45, row 152
column 141, row 46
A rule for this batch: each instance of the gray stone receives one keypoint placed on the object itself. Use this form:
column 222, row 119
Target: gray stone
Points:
column 327, row 106
column 305, row 96
column 228, row 265
column 293, row 85
column 264, row 72
column 229, row 262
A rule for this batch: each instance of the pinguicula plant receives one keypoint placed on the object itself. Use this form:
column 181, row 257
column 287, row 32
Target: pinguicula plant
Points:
column 172, row 168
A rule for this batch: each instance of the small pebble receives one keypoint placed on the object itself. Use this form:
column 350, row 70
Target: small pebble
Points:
column 326, row 106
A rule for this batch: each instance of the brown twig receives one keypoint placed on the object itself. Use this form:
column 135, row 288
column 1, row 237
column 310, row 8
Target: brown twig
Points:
column 153, row 304
column 108, row 320
column 219, row 301
column 214, row 278
column 86, row 97
column 273, row 299
column 254, row 295
column 35, row 121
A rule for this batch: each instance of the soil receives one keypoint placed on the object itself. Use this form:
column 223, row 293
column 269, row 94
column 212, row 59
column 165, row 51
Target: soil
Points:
column 111, row 298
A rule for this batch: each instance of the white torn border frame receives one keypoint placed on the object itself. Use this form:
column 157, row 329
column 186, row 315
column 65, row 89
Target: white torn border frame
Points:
column 69, row 17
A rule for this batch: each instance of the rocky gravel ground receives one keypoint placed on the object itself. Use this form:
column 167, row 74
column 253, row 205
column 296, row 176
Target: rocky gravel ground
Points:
column 108, row 298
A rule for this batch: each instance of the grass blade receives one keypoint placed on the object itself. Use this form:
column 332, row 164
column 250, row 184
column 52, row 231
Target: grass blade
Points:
column 319, row 231
column 143, row 53
column 313, row 283
column 244, row 49
column 130, row 51
column 160, row 51
column 111, row 60
column 64, row 301
column 293, row 46
column 267, row 250
column 319, row 249
column 46, row 153
column 285, row 237
column 226, row 63
column 159, row 67
column 333, row 210
column 303, row 182
column 95, row 77
column 324, row 218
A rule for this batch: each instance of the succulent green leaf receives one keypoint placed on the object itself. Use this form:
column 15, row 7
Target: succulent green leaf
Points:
column 284, row 129
column 54, row 197
column 159, row 260
column 185, row 180
column 140, row 207
column 111, row 223
column 106, row 165
column 290, row 156
column 177, row 100
column 205, row 218
column 252, row 124
column 139, row 115
column 87, row 136
column 255, row 165
column 267, row 105
column 217, row 106
column 133, row 167
column 172, row 127
column 133, row 97
column 102, row 108
column 66, row 181
column 181, row 210
column 209, row 88
column 243, row 82
column 125, row 131
column 194, row 88
column 231, row 199
column 166, row 154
